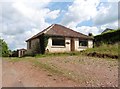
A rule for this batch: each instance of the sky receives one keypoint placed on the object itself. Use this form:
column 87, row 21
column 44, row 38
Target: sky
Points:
column 21, row 19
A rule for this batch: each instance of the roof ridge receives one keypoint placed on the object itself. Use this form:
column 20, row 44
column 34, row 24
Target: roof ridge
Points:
column 47, row 29
column 72, row 30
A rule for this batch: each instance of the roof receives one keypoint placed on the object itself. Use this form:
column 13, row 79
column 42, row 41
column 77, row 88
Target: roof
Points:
column 59, row 30
column 22, row 49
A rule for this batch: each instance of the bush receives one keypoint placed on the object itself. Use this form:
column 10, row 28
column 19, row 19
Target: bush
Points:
column 14, row 54
column 4, row 51
column 107, row 38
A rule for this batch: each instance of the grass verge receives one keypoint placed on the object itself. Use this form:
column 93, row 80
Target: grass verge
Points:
column 17, row 59
column 58, row 54
column 104, row 49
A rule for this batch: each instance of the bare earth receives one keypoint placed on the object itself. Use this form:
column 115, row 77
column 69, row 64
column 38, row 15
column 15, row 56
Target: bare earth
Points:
column 23, row 74
column 75, row 71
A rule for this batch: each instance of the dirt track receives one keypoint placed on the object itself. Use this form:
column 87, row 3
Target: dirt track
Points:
column 90, row 72
column 23, row 74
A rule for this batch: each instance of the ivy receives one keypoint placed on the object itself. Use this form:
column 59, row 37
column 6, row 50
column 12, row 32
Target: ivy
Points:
column 46, row 37
column 43, row 42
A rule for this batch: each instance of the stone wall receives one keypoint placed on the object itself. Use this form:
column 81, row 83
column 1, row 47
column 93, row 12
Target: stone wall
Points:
column 33, row 42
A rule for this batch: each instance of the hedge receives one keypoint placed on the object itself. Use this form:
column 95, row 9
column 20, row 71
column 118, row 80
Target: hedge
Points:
column 108, row 38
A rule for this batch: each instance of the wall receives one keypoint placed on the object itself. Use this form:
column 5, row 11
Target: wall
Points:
column 33, row 42
column 51, row 48
column 77, row 47
column 67, row 47
column 90, row 43
column 21, row 53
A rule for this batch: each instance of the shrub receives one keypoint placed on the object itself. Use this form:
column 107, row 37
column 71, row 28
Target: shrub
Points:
column 4, row 50
column 14, row 54
column 107, row 38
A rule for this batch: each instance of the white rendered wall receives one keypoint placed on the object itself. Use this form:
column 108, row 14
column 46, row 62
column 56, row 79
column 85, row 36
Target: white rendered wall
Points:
column 65, row 48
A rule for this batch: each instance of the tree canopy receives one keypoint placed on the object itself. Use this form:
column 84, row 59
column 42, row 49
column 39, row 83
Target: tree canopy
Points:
column 4, row 50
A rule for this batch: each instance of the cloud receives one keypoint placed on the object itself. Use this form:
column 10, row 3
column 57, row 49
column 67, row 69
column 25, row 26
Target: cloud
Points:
column 113, row 25
column 107, row 13
column 17, row 41
column 87, row 29
column 31, row 1
column 113, row 0
column 102, row 14
column 79, row 11
column 20, row 21
column 14, row 22
column 53, row 14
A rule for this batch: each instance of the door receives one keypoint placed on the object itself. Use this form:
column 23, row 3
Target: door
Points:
column 72, row 44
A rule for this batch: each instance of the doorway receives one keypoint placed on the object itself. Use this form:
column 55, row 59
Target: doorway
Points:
column 72, row 44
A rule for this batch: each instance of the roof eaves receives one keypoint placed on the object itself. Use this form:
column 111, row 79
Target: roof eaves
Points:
column 42, row 32
column 48, row 28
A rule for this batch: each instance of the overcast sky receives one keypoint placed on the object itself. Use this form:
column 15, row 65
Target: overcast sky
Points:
column 21, row 19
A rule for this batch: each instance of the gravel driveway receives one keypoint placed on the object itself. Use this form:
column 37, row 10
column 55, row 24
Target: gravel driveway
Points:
column 79, row 71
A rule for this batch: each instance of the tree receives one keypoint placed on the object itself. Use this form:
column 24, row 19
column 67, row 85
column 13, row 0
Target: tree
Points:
column 4, row 51
column 90, row 34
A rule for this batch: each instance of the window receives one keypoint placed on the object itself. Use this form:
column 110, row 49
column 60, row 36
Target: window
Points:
column 29, row 44
column 58, row 41
column 83, row 43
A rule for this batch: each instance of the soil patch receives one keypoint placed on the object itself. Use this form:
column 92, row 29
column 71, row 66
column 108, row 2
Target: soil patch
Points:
column 95, row 54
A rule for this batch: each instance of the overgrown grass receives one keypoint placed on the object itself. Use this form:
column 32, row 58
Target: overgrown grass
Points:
column 17, row 59
column 11, row 59
column 58, row 54
column 104, row 49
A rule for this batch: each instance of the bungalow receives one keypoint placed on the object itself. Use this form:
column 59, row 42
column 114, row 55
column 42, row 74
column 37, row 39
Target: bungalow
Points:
column 57, row 38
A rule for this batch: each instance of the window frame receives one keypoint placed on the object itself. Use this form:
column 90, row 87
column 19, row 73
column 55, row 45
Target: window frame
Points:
column 58, row 38
column 83, row 40
column 29, row 43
